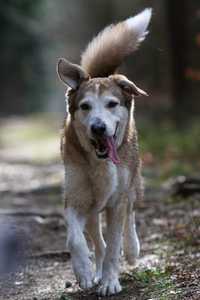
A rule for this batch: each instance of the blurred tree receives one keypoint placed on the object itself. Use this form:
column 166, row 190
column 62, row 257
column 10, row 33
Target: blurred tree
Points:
column 34, row 34
column 177, row 24
column 20, row 59
column 182, row 25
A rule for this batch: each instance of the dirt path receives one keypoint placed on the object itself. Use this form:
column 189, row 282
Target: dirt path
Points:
column 169, row 230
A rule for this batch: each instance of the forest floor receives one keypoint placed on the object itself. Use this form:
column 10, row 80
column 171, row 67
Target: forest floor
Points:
column 31, row 206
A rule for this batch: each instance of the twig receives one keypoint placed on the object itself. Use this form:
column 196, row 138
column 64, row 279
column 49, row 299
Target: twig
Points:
column 31, row 212
column 63, row 255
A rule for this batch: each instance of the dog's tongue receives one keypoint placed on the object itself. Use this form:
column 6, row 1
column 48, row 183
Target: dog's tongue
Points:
column 112, row 151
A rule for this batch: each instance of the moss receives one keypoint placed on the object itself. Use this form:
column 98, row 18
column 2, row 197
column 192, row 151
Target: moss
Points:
column 155, row 283
column 64, row 297
column 177, row 151
column 166, row 140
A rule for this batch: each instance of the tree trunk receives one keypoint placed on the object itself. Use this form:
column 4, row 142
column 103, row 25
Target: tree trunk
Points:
column 177, row 26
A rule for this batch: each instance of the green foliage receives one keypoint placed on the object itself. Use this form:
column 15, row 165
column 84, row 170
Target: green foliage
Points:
column 153, row 276
column 64, row 297
column 21, row 59
column 175, row 151
column 157, row 283
column 165, row 140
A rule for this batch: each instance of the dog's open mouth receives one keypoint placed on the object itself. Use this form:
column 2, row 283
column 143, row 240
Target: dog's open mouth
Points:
column 105, row 147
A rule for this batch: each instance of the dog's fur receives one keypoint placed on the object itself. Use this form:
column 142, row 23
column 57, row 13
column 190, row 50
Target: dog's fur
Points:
column 97, row 179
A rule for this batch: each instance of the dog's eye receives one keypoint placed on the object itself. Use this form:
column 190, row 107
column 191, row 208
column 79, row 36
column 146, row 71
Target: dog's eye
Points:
column 112, row 104
column 85, row 106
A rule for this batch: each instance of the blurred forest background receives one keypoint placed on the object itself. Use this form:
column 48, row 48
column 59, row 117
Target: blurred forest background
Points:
column 34, row 35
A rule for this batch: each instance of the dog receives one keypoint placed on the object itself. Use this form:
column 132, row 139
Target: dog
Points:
column 99, row 148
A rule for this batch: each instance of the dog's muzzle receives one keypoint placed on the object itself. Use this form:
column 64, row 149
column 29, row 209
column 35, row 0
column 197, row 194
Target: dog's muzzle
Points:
column 105, row 146
column 98, row 128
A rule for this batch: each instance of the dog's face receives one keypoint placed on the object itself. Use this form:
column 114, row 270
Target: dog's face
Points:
column 100, row 109
column 100, row 116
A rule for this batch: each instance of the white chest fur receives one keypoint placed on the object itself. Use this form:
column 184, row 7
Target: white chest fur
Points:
column 105, row 181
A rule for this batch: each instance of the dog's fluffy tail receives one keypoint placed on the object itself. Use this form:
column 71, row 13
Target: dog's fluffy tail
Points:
column 109, row 48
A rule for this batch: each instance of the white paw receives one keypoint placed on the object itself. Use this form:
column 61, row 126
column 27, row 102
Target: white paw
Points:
column 131, row 259
column 132, row 256
column 86, row 282
column 85, row 277
column 132, row 249
column 109, row 287
column 84, row 273
column 98, row 277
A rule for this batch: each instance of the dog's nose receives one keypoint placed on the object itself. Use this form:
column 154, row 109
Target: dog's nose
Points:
column 98, row 127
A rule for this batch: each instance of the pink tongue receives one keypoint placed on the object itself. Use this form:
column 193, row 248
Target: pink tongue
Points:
column 112, row 151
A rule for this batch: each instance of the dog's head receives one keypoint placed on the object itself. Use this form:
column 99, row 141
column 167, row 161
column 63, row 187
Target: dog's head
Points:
column 100, row 101
column 99, row 108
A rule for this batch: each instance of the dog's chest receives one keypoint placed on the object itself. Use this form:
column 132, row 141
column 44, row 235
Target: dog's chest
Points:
column 104, row 179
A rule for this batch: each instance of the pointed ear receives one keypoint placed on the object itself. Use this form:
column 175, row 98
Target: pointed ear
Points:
column 127, row 85
column 71, row 74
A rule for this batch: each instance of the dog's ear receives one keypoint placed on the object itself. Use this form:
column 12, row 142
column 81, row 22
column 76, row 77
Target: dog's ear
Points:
column 71, row 74
column 127, row 85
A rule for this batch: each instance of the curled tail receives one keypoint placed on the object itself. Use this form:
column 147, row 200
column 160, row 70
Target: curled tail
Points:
column 108, row 49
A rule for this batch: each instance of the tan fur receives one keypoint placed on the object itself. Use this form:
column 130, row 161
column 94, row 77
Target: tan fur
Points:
column 108, row 50
column 74, row 154
column 70, row 145
column 92, row 186
column 94, row 183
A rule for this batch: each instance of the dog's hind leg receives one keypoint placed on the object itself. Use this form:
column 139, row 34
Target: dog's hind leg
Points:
column 77, row 245
column 95, row 232
column 131, row 241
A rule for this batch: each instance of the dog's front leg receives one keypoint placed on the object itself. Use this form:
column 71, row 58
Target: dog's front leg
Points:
column 78, row 248
column 110, row 281
column 95, row 231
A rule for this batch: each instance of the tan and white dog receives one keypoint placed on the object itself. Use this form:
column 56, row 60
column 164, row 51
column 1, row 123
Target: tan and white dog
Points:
column 100, row 153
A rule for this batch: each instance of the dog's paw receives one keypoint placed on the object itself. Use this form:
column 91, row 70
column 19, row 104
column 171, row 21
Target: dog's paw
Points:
column 84, row 273
column 98, row 277
column 109, row 287
column 86, row 282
